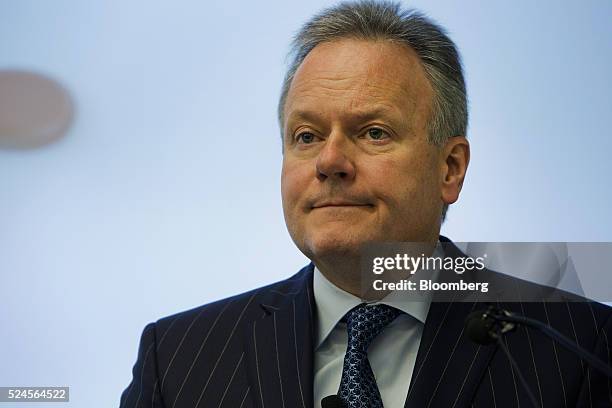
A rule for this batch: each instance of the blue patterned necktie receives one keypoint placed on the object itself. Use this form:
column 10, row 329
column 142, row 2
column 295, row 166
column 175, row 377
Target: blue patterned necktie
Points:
column 358, row 387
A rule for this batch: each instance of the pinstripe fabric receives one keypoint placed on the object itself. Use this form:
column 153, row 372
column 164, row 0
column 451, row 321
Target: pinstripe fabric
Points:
column 245, row 351
column 256, row 350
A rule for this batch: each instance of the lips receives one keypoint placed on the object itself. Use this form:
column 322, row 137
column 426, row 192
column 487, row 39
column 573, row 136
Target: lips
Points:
column 340, row 203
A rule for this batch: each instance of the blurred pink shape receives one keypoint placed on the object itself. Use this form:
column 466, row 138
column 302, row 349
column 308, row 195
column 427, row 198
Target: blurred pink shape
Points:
column 34, row 110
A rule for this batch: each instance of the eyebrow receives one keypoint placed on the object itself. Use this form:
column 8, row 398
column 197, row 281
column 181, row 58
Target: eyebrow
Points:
column 357, row 115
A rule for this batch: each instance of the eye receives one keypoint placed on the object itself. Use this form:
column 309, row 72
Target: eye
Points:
column 305, row 137
column 376, row 133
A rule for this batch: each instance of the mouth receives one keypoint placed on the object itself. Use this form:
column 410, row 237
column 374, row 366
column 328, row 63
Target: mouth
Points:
column 340, row 204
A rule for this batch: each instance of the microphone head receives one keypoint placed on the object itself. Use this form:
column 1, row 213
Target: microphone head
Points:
column 479, row 327
column 332, row 401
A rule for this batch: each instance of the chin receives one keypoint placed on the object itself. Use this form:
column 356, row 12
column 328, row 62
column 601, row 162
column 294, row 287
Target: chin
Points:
column 328, row 245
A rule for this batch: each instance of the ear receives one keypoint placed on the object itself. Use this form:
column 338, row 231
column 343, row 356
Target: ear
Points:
column 455, row 160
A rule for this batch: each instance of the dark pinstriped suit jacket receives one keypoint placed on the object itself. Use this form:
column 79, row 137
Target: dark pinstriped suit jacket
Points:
column 256, row 350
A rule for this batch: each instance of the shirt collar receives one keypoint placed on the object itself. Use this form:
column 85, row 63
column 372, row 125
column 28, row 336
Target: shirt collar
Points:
column 333, row 303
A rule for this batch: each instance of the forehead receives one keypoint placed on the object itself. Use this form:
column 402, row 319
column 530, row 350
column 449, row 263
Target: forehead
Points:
column 349, row 75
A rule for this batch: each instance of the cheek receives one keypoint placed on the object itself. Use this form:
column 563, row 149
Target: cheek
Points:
column 405, row 183
column 293, row 182
column 391, row 177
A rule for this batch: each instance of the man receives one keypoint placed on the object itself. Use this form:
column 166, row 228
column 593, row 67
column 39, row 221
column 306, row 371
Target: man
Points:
column 373, row 117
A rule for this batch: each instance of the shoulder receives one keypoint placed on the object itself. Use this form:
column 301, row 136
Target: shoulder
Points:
column 547, row 303
column 224, row 314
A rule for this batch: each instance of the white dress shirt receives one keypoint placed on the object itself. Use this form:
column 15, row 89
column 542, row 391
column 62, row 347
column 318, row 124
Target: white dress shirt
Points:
column 392, row 354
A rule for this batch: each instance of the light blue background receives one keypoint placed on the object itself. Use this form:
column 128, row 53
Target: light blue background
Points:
column 165, row 193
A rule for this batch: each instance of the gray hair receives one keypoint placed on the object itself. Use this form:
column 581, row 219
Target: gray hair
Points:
column 383, row 20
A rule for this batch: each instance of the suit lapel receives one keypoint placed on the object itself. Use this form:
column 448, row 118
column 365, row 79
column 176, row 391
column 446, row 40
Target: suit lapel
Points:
column 449, row 366
column 279, row 345
column 279, row 351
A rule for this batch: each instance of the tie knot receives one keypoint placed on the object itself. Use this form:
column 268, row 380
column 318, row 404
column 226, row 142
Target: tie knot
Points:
column 365, row 322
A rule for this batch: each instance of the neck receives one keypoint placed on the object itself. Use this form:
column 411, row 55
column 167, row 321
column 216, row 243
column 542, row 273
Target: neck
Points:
column 349, row 274
column 345, row 275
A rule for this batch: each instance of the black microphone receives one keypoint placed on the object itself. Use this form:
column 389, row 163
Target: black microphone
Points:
column 332, row 401
column 479, row 326
column 483, row 328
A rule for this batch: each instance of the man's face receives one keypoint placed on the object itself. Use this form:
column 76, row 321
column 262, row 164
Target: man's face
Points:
column 357, row 165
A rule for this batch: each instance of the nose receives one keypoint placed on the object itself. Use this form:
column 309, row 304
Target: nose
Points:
column 334, row 160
